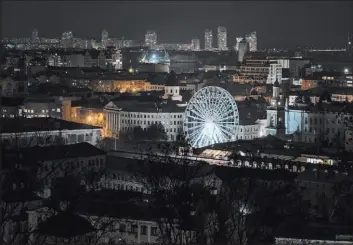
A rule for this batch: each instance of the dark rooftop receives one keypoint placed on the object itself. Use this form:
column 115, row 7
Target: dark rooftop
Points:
column 36, row 154
column 313, row 231
column 11, row 101
column 90, row 103
column 146, row 104
column 19, row 125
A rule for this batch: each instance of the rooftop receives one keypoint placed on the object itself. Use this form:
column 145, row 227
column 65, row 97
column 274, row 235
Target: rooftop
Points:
column 334, row 107
column 146, row 104
column 11, row 101
column 22, row 125
column 313, row 231
column 250, row 112
column 32, row 155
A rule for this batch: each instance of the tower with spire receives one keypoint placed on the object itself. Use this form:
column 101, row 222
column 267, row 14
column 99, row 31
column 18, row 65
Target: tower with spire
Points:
column 172, row 87
column 276, row 113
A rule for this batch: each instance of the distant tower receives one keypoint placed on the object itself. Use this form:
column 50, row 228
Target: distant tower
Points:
column 252, row 40
column 243, row 49
column 67, row 40
column 276, row 113
column 208, row 39
column 35, row 37
column 222, row 38
column 195, row 44
column 239, row 39
column 105, row 37
column 151, row 39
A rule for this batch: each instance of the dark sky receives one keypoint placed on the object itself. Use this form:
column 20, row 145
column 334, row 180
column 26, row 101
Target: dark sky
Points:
column 278, row 23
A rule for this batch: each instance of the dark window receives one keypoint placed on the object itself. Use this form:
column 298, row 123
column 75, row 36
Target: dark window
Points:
column 143, row 230
column 154, row 231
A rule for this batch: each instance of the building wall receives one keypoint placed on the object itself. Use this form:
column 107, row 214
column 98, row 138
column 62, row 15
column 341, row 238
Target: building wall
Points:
column 123, row 121
column 11, row 87
column 28, row 139
column 312, row 126
column 131, row 85
column 248, row 132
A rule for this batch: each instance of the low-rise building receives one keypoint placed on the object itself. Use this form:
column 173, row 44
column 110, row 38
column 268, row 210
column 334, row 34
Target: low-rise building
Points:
column 319, row 123
column 123, row 114
column 46, row 106
column 11, row 106
column 26, row 132
column 258, row 71
column 14, row 86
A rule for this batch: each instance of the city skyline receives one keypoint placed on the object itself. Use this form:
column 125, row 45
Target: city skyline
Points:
column 187, row 20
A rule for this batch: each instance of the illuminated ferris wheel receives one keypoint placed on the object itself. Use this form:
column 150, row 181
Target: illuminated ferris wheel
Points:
column 211, row 117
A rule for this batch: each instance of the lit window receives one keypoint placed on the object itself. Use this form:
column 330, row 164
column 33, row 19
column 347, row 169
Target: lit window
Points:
column 32, row 111
column 58, row 110
column 43, row 111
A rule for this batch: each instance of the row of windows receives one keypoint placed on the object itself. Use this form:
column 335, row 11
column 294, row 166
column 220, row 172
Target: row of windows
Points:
column 249, row 129
column 149, row 116
column 70, row 165
column 321, row 130
column 167, row 130
column 43, row 111
column 320, row 121
column 148, row 122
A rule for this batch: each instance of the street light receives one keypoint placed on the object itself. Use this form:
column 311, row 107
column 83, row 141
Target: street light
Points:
column 346, row 70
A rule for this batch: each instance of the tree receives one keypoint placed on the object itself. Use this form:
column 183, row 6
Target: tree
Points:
column 223, row 204
column 156, row 132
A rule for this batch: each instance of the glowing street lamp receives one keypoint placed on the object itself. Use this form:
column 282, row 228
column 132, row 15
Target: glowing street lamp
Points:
column 346, row 71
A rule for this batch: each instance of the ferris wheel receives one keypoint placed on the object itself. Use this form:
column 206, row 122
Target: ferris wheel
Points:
column 211, row 117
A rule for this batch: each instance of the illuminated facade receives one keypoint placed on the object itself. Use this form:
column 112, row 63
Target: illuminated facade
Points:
column 67, row 40
column 259, row 71
column 35, row 37
column 243, row 49
column 124, row 116
column 208, row 39
column 195, row 44
column 239, row 39
column 222, row 38
column 105, row 38
column 131, row 85
column 151, row 39
column 117, row 60
column 252, row 40
column 155, row 57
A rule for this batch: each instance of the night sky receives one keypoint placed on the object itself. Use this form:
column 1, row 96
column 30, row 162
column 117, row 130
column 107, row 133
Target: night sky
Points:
column 278, row 23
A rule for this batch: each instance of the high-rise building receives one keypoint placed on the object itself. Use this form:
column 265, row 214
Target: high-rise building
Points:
column 222, row 38
column 67, row 40
column 105, row 38
column 208, row 39
column 243, row 48
column 151, row 39
column 35, row 37
column 252, row 40
column 237, row 44
column 117, row 60
column 195, row 44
